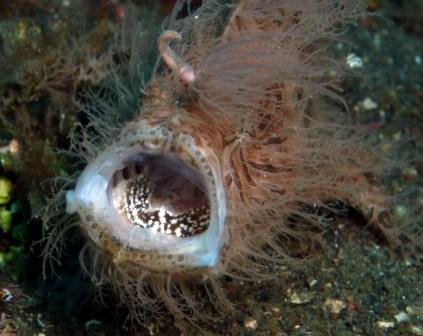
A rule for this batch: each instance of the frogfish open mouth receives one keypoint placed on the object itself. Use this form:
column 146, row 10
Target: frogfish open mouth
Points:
column 237, row 142
column 155, row 197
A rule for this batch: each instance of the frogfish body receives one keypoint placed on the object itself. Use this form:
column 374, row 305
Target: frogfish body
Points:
column 239, row 138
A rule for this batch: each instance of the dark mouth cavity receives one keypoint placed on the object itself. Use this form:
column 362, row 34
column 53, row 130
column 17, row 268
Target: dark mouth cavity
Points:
column 161, row 193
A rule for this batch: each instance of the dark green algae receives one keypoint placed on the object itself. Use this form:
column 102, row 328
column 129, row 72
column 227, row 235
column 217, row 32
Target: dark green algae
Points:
column 355, row 286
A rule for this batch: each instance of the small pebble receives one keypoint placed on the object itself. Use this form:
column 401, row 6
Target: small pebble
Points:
column 300, row 298
column 250, row 324
column 354, row 61
column 400, row 210
column 401, row 317
column 335, row 306
column 409, row 173
column 415, row 310
column 415, row 330
column 385, row 324
column 397, row 136
column 312, row 282
column 369, row 104
column 276, row 312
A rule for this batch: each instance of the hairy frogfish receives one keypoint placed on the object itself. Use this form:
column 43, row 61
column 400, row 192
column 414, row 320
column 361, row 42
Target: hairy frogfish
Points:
column 239, row 137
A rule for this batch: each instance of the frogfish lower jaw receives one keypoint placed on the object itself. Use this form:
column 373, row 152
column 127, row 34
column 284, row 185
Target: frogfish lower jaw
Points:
column 154, row 198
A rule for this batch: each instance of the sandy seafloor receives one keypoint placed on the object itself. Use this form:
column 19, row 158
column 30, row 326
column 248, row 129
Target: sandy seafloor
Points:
column 356, row 286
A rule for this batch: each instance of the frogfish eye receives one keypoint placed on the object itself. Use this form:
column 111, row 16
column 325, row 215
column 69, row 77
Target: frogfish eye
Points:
column 154, row 198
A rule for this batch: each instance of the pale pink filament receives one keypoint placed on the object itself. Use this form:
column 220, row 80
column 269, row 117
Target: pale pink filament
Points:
column 184, row 71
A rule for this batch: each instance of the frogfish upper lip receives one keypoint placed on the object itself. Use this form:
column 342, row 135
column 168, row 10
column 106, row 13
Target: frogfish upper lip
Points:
column 155, row 196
